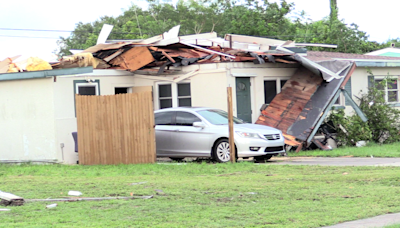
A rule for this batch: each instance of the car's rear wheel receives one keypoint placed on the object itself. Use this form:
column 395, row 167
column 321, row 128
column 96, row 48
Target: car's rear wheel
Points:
column 176, row 159
column 221, row 151
column 262, row 158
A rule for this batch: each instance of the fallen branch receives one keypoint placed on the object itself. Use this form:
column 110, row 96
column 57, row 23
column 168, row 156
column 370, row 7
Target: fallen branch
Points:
column 88, row 199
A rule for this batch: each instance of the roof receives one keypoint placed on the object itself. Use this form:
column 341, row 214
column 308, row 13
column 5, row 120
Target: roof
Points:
column 324, row 55
column 389, row 51
column 44, row 73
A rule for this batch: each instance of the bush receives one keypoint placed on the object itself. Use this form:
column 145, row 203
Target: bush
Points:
column 383, row 119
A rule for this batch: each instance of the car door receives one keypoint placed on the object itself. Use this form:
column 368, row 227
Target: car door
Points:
column 164, row 128
column 189, row 140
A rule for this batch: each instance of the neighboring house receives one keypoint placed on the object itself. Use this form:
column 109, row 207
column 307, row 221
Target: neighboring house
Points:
column 369, row 68
column 389, row 51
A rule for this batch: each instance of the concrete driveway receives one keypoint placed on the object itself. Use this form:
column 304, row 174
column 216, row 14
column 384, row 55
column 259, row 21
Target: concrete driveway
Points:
column 340, row 161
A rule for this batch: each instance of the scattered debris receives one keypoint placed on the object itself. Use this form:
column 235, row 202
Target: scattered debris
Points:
column 88, row 199
column 74, row 193
column 139, row 183
column 51, row 206
column 159, row 192
column 361, row 143
column 8, row 199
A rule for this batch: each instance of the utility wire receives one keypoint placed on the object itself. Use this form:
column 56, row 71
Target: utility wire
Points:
column 29, row 37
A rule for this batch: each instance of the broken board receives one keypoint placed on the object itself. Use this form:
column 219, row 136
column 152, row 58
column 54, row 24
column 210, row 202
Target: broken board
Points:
column 134, row 59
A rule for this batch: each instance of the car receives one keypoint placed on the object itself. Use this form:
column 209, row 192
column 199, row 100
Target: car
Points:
column 204, row 132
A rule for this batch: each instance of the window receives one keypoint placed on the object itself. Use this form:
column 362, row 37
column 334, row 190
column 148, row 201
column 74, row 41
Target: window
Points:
column 391, row 89
column 184, row 98
column 186, row 119
column 165, row 95
column 163, row 118
column 87, row 88
column 273, row 87
column 120, row 90
column 174, row 95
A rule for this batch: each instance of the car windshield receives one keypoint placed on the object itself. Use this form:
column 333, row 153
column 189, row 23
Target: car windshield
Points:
column 218, row 117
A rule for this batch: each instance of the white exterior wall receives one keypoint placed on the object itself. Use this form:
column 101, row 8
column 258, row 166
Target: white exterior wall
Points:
column 27, row 120
column 64, row 104
column 359, row 81
column 209, row 85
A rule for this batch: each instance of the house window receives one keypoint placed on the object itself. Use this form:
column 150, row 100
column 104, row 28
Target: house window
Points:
column 120, row 90
column 174, row 95
column 272, row 87
column 391, row 90
column 87, row 88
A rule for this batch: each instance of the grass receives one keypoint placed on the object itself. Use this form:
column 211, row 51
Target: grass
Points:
column 200, row 195
column 376, row 150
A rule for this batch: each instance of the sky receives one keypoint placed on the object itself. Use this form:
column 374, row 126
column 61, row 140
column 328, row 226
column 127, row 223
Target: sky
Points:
column 378, row 20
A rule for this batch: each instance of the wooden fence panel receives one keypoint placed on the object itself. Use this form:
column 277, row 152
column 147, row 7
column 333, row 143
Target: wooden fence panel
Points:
column 116, row 129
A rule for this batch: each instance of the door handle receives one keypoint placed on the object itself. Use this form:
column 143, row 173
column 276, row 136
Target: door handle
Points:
column 176, row 130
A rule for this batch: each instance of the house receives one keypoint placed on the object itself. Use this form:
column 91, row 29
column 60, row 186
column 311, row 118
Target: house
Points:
column 369, row 68
column 37, row 112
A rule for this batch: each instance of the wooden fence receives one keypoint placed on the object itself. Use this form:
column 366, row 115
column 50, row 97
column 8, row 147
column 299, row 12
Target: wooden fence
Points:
column 116, row 129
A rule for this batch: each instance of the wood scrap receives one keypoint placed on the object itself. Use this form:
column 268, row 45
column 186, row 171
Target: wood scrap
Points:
column 8, row 199
column 169, row 57
column 134, row 59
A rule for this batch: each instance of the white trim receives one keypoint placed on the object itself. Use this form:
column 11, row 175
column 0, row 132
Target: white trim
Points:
column 92, row 84
column 387, row 89
column 370, row 60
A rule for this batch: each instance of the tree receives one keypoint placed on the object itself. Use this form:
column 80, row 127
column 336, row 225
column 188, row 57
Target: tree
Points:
column 252, row 17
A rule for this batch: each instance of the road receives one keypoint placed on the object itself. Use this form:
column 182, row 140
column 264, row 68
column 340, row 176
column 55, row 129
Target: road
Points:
column 340, row 161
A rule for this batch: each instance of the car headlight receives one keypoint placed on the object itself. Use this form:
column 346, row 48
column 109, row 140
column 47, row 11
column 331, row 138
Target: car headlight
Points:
column 247, row 134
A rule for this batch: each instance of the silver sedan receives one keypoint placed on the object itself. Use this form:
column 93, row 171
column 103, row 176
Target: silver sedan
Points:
column 203, row 132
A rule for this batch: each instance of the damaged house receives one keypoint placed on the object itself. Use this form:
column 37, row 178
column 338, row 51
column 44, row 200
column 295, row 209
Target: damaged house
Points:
column 192, row 70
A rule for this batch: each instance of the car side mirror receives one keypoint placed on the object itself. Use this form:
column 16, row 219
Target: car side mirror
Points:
column 199, row 124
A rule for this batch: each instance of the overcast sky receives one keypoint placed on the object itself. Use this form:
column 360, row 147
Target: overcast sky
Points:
column 378, row 19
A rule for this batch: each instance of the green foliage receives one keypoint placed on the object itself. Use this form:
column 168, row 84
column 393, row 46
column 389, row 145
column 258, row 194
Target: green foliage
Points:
column 383, row 124
column 251, row 17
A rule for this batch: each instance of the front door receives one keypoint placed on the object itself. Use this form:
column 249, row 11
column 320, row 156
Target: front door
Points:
column 243, row 99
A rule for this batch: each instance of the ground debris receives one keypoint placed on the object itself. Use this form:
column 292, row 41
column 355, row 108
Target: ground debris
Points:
column 8, row 199
column 89, row 199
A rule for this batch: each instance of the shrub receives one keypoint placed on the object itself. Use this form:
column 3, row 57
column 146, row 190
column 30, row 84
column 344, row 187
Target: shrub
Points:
column 383, row 119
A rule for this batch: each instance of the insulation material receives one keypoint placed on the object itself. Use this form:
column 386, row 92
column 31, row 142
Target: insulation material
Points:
column 83, row 59
column 37, row 64
column 13, row 68
column 4, row 65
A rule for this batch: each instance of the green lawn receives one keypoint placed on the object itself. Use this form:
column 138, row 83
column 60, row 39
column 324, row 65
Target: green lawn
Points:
column 376, row 150
column 200, row 195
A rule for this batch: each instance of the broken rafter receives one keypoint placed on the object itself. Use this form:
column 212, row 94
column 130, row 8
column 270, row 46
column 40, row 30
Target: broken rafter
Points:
column 208, row 50
column 169, row 57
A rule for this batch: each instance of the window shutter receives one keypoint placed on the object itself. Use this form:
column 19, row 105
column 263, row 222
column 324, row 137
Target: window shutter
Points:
column 371, row 81
column 347, row 87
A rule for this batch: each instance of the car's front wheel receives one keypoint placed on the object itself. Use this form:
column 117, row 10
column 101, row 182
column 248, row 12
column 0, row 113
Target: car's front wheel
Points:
column 221, row 151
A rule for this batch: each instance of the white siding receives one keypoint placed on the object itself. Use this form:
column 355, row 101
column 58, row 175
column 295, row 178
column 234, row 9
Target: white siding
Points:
column 27, row 120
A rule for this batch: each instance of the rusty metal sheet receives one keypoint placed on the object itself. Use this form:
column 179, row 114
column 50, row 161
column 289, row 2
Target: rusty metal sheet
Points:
column 284, row 109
